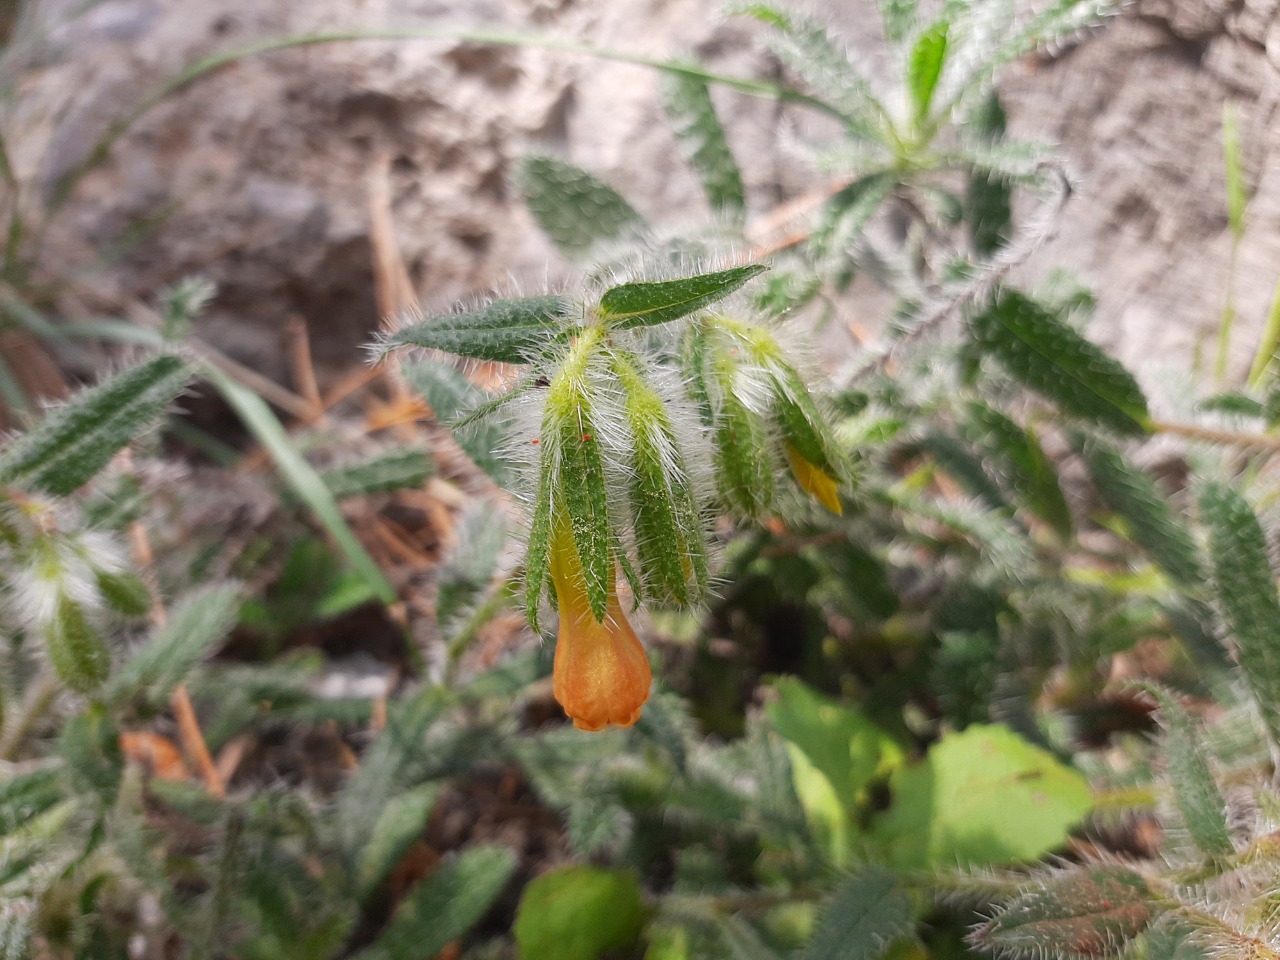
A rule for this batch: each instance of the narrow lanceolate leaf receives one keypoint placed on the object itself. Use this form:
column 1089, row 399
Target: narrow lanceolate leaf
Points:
column 1018, row 453
column 507, row 331
column 1049, row 357
column 744, row 469
column 1152, row 525
column 574, row 208
column 688, row 102
column 78, row 439
column 924, row 67
column 586, row 498
column 668, row 531
column 802, row 423
column 644, row 304
column 1246, row 592
column 198, row 622
column 1195, row 792
column 822, row 64
column 401, row 469
column 990, row 198
column 452, row 395
column 537, row 563
column 1082, row 912
column 898, row 16
column 444, row 906
column 400, row 823
column 846, row 214
column 77, row 653
column 693, row 364
column 868, row 913
column 965, row 468
column 123, row 592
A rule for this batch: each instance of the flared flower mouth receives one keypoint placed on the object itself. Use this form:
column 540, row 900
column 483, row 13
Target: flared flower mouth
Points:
column 815, row 481
column 601, row 675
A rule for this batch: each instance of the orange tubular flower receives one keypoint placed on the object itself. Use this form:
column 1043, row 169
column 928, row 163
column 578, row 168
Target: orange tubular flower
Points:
column 601, row 674
column 815, row 481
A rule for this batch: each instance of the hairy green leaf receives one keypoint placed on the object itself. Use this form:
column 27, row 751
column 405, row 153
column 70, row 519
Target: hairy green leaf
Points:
column 78, row 654
column 689, row 105
column 400, row 823
column 1246, row 592
column 76, row 440
column 1196, row 793
column 198, row 622
column 450, row 394
column 989, row 204
column 445, row 905
column 537, row 562
column 1135, row 497
column 506, row 331
column 123, row 592
column 744, row 469
column 1084, row 912
column 644, row 304
column 400, row 469
column 1032, row 475
column 898, row 18
column 1052, row 359
column 586, row 500
column 867, row 914
column 574, row 208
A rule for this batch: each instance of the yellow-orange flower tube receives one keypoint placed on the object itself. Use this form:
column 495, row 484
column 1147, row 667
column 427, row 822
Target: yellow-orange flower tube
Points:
column 601, row 674
column 815, row 481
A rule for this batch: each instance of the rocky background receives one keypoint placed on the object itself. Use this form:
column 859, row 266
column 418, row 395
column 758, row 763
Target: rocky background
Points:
column 259, row 175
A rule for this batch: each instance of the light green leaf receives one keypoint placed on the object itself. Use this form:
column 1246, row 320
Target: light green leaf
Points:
column 198, row 622
column 688, row 103
column 924, row 68
column 644, row 304
column 867, row 914
column 844, row 745
column 1135, row 497
column 78, row 439
column 400, row 823
column 1082, row 911
column 301, row 476
column 1246, row 592
column 982, row 796
column 578, row 913
column 445, row 905
column 506, row 331
column 576, row 209
column 1049, row 357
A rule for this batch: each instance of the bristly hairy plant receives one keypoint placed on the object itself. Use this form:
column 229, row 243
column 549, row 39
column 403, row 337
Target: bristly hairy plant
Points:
column 890, row 612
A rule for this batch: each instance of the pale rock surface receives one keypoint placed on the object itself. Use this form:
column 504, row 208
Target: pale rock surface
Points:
column 258, row 176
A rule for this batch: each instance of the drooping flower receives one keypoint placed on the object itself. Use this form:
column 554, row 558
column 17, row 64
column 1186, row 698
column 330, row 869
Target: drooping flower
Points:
column 601, row 674
column 815, row 481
